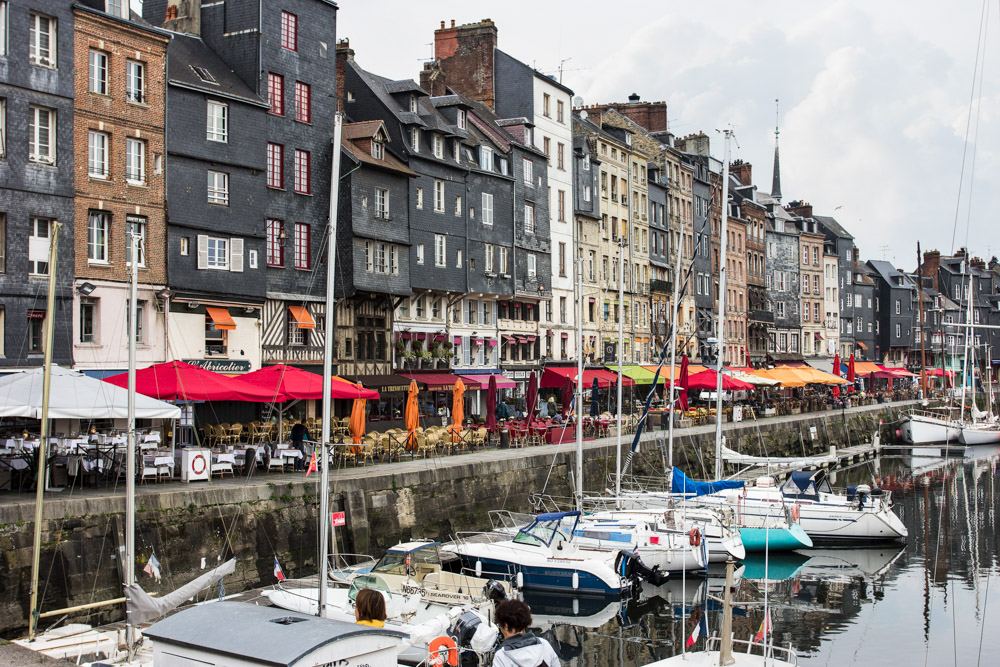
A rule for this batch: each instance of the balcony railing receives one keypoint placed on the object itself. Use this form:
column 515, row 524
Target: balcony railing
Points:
column 761, row 316
column 527, row 326
column 656, row 285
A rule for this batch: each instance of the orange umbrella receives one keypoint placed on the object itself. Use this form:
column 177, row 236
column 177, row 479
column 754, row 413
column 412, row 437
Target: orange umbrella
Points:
column 358, row 420
column 412, row 416
column 457, row 410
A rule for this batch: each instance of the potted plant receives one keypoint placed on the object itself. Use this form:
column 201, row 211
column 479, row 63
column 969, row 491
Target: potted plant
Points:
column 426, row 358
column 409, row 357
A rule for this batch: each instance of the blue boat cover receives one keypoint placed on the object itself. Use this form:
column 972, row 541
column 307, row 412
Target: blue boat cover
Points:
column 802, row 479
column 555, row 516
column 681, row 483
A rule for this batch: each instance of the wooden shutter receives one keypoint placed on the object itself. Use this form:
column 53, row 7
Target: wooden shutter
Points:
column 236, row 255
column 202, row 251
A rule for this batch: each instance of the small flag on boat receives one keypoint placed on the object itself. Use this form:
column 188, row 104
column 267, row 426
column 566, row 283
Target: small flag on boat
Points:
column 700, row 625
column 278, row 574
column 764, row 629
column 312, row 464
column 152, row 567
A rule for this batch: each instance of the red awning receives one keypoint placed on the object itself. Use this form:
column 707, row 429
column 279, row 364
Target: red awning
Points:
column 177, row 381
column 897, row 372
column 564, row 334
column 491, row 342
column 556, row 377
column 434, row 381
column 457, row 340
column 298, row 384
column 708, row 380
column 473, row 382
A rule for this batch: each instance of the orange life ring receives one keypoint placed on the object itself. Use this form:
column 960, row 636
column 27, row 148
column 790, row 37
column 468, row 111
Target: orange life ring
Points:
column 694, row 537
column 442, row 651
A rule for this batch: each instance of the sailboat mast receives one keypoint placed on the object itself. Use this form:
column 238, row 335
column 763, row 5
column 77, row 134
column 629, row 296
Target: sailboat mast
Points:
column 40, row 476
column 579, row 383
column 329, row 324
column 923, row 327
column 622, row 245
column 721, row 328
column 133, row 328
column 968, row 338
column 673, row 345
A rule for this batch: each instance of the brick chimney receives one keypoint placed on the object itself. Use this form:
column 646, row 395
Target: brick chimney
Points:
column 695, row 144
column 977, row 263
column 345, row 54
column 931, row 266
column 743, row 171
column 464, row 56
column 183, row 16
column 650, row 115
column 800, row 208
column 433, row 79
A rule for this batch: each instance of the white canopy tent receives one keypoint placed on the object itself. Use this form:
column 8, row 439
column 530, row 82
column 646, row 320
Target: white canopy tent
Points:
column 74, row 395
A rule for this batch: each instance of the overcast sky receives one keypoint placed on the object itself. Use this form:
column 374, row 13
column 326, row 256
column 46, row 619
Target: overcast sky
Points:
column 874, row 95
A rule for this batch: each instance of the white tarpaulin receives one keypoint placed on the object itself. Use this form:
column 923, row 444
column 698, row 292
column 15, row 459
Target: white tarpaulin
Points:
column 74, row 395
column 733, row 456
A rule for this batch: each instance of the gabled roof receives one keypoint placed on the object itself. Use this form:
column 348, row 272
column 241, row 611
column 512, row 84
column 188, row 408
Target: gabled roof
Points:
column 541, row 75
column 891, row 275
column 833, row 226
column 366, row 130
column 186, row 52
column 382, row 88
column 404, row 86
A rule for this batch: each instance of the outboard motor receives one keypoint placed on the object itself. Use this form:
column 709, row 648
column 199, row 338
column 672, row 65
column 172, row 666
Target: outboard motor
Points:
column 462, row 631
column 494, row 591
column 851, row 491
column 630, row 567
column 863, row 492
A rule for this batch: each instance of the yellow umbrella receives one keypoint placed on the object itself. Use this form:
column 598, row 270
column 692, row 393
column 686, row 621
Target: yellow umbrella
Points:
column 412, row 416
column 358, row 420
column 457, row 410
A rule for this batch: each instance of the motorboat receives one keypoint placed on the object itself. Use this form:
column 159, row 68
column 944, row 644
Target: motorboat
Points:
column 544, row 555
column 922, row 428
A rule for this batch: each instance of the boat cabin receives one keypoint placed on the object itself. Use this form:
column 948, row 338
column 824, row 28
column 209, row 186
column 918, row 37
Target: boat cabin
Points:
column 806, row 484
column 552, row 529
column 238, row 634
column 417, row 560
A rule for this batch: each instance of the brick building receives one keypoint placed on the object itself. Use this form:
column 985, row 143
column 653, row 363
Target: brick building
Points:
column 119, row 118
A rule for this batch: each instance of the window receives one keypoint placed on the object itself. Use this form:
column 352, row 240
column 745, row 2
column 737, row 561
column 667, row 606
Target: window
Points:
column 135, row 81
column 98, row 225
column 303, row 102
column 413, row 104
column 42, row 135
column 218, row 122
column 532, row 265
column 529, row 218
column 415, row 139
column 42, row 41
column 420, row 198
column 216, row 252
column 547, row 146
column 303, row 176
column 185, row 244
column 561, row 156
column 473, row 306
column 295, row 335
column 504, row 270
column 36, row 331
column 456, row 150
column 135, row 160
column 562, row 259
column 289, row 31
column 546, row 105
column 486, row 158
column 204, row 74
column 461, row 119
column 529, row 167
column 437, row 143
column 439, row 196
column 779, row 309
column 420, row 254
column 3, row 52
column 303, row 248
column 97, row 79
column 503, row 166
column 218, row 188
column 440, row 250
column 458, row 206
column 3, row 106
column 135, row 227
column 562, row 205
column 3, row 242
column 275, row 243
column 487, row 211
column 38, row 246
column 560, row 111
column 586, row 193
column 88, row 320
column 276, row 93
column 276, row 166
column 216, row 340
column 488, row 253
column 897, row 309
column 378, row 149
column 97, row 154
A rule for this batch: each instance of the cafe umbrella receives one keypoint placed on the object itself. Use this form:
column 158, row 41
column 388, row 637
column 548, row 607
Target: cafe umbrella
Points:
column 457, row 410
column 491, row 404
column 412, row 416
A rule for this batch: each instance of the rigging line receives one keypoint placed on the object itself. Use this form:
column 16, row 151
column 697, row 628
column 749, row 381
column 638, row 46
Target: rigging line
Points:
column 968, row 120
column 975, row 134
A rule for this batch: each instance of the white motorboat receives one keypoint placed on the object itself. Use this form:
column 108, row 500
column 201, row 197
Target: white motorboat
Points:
column 922, row 428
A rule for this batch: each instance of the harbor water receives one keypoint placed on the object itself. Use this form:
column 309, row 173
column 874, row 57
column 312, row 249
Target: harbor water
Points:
column 933, row 601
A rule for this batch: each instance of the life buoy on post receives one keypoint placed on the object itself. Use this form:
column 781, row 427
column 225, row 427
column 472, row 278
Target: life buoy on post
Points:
column 694, row 537
column 195, row 461
column 442, row 651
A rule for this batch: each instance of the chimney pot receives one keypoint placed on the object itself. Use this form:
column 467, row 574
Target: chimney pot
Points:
column 442, row 24
column 453, row 23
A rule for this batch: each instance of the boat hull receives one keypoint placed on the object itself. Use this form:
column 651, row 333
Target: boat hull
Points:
column 979, row 436
column 923, row 430
column 776, row 539
column 544, row 578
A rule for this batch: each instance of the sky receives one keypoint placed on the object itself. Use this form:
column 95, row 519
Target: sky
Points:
column 874, row 96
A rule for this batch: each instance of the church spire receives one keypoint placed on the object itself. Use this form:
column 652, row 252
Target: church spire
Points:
column 776, row 178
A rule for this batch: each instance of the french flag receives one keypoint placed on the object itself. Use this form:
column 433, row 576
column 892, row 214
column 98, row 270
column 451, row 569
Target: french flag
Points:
column 701, row 624
column 278, row 574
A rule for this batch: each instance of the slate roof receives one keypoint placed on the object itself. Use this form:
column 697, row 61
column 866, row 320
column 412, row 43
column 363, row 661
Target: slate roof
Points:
column 541, row 75
column 890, row 273
column 366, row 130
column 833, row 226
column 186, row 52
column 380, row 86
column 250, row 632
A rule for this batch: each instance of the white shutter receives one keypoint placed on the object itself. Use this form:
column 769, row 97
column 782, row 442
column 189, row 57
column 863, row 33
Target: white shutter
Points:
column 202, row 251
column 236, row 255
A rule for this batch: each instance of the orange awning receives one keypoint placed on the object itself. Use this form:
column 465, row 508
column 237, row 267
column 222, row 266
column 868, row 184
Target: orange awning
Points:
column 301, row 317
column 221, row 318
column 866, row 367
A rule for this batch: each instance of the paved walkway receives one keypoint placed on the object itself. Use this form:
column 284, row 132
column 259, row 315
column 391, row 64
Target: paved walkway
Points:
column 252, row 487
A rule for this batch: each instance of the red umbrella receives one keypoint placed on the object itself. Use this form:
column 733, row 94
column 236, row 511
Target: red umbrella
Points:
column 850, row 370
column 532, row 395
column 567, row 396
column 836, row 371
column 491, row 404
column 682, row 382
column 749, row 363
column 298, row 384
column 178, row 381
column 708, row 379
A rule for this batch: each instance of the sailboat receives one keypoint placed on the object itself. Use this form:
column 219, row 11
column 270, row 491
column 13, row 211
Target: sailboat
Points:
column 987, row 431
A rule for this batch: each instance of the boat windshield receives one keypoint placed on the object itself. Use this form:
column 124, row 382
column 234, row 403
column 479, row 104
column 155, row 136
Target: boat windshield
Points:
column 546, row 528
column 409, row 561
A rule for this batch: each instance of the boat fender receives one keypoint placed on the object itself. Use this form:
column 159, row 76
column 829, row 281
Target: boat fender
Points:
column 442, row 651
column 694, row 537
column 576, row 580
column 479, row 568
column 520, row 579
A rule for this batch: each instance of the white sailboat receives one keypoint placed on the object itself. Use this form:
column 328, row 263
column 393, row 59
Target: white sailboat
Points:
column 985, row 428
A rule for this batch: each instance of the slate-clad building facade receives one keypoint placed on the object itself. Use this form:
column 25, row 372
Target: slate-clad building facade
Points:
column 36, row 178
column 896, row 316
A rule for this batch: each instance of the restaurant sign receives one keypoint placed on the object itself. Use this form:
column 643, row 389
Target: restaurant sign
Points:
column 227, row 366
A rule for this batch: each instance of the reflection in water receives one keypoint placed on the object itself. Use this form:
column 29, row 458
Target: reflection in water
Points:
column 925, row 603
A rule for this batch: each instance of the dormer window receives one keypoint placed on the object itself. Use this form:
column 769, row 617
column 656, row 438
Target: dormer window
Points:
column 415, row 139
column 413, row 104
column 486, row 158
column 456, row 150
column 378, row 149
column 438, row 144
column 461, row 119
